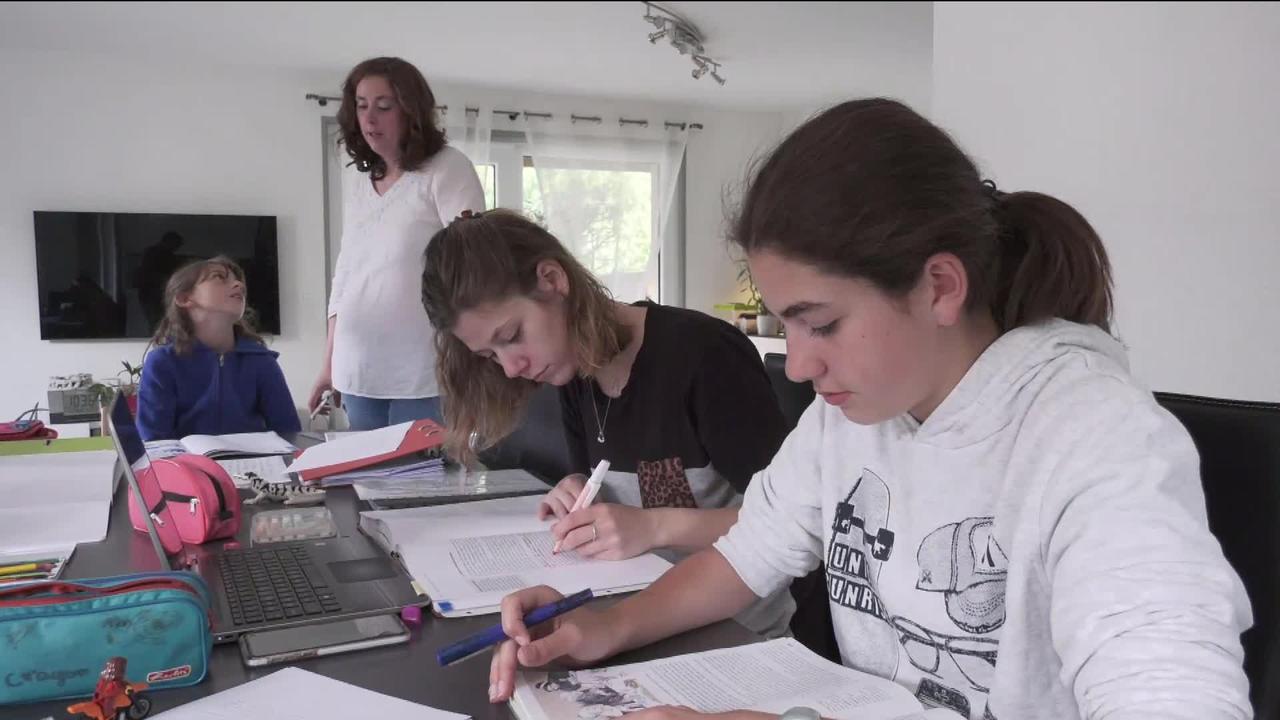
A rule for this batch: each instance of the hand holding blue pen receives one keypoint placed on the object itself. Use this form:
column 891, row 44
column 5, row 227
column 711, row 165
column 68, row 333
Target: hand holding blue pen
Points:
column 486, row 639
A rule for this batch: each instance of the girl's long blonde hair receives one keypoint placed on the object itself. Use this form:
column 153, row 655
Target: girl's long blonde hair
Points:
column 486, row 258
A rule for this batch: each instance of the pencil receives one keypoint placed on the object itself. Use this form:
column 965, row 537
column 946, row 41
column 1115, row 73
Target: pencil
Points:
column 24, row 577
column 24, row 568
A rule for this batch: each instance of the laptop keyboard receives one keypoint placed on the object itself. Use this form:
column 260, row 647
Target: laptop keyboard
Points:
column 268, row 584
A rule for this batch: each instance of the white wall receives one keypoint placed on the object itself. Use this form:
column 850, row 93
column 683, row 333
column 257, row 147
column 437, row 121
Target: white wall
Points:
column 1158, row 122
column 108, row 134
column 98, row 134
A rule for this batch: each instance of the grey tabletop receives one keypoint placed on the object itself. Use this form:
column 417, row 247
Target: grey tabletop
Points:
column 406, row 671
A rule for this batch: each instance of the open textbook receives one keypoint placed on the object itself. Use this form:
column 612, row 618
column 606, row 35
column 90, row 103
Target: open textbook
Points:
column 214, row 446
column 295, row 694
column 771, row 677
column 467, row 557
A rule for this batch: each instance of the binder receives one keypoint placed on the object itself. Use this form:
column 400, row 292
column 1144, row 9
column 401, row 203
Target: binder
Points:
column 424, row 438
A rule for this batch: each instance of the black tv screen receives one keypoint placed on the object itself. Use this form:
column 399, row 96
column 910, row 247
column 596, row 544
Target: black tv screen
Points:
column 102, row 275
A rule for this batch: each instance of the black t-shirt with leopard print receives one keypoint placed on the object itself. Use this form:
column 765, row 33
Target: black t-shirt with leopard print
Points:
column 696, row 420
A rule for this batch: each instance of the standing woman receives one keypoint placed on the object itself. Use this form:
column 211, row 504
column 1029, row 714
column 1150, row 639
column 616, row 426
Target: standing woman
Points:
column 403, row 185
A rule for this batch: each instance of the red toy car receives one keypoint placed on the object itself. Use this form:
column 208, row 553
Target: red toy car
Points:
column 115, row 698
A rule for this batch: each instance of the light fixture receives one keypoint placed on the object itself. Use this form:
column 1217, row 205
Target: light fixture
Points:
column 706, row 65
column 684, row 37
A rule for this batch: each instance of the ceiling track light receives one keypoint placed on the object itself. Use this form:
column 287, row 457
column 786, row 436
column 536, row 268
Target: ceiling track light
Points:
column 684, row 37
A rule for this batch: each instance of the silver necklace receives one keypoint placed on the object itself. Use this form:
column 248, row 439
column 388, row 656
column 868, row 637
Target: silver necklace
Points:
column 596, row 409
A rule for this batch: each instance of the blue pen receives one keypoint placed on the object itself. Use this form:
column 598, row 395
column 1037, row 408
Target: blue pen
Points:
column 486, row 639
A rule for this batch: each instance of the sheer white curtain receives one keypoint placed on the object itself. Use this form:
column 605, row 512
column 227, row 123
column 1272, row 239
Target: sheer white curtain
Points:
column 469, row 131
column 608, row 191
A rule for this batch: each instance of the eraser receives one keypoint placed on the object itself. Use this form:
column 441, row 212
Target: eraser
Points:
column 412, row 614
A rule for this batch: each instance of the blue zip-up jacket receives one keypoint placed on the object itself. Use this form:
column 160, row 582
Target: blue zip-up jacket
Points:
column 207, row 393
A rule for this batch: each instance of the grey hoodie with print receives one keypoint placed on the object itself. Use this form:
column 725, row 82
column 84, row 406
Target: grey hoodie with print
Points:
column 1037, row 548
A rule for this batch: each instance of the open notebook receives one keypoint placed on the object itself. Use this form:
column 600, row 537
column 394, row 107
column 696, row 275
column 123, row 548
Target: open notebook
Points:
column 214, row 446
column 770, row 677
column 467, row 557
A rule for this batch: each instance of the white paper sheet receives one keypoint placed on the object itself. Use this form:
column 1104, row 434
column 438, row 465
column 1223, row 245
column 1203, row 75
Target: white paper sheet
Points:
column 332, row 435
column 467, row 556
column 51, row 502
column 295, row 694
column 353, row 446
column 161, row 449
column 259, row 443
column 267, row 467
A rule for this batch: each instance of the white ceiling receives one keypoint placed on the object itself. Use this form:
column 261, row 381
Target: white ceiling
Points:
column 775, row 55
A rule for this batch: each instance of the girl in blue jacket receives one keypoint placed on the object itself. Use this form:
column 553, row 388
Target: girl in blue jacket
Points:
column 210, row 373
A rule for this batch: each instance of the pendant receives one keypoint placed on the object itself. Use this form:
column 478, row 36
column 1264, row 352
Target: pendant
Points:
column 600, row 437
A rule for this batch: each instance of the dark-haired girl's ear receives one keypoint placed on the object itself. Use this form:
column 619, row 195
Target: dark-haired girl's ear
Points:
column 947, row 286
column 552, row 278
column 182, row 301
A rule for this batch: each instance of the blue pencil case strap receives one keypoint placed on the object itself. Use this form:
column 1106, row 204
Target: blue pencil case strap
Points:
column 56, row 636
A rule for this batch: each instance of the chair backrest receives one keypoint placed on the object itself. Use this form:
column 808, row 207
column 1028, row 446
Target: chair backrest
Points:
column 811, row 624
column 1239, row 445
column 538, row 443
column 793, row 397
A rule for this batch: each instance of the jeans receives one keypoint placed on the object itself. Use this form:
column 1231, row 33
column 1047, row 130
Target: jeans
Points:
column 372, row 413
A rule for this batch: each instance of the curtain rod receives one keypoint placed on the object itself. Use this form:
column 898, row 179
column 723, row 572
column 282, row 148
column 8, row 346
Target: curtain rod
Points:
column 323, row 100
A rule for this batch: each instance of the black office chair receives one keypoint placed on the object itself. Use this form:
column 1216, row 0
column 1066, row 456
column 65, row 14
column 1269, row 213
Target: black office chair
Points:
column 537, row 444
column 811, row 624
column 1239, row 445
column 793, row 397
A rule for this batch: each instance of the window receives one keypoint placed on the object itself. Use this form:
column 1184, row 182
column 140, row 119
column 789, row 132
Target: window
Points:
column 611, row 224
column 605, row 206
column 487, row 173
column 606, row 211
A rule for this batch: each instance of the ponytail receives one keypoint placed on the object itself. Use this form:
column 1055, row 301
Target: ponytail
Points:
column 870, row 189
column 1049, row 263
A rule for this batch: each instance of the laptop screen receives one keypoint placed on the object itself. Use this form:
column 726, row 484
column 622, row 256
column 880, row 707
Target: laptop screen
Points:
column 133, row 453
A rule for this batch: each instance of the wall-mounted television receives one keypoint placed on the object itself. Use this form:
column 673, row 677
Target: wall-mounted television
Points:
column 102, row 275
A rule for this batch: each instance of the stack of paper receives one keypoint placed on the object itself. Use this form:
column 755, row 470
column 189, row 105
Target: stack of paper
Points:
column 295, row 694
column 267, row 467
column 407, row 450
column 406, row 470
column 468, row 556
column 50, row 502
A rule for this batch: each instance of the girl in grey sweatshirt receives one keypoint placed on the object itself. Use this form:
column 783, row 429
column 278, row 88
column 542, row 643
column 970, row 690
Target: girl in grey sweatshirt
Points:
column 1011, row 526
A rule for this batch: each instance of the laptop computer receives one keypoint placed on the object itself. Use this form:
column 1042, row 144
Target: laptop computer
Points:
column 274, row 585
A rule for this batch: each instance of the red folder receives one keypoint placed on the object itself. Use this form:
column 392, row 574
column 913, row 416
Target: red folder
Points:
column 424, row 436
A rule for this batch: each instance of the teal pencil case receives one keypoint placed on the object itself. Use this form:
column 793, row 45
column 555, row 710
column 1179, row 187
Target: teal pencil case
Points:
column 56, row 636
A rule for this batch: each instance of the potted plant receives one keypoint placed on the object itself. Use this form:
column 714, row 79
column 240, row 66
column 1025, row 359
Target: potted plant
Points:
column 129, row 384
column 767, row 324
column 752, row 317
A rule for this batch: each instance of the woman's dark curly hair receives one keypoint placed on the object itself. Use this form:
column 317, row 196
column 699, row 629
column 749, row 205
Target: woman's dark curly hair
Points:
column 422, row 138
